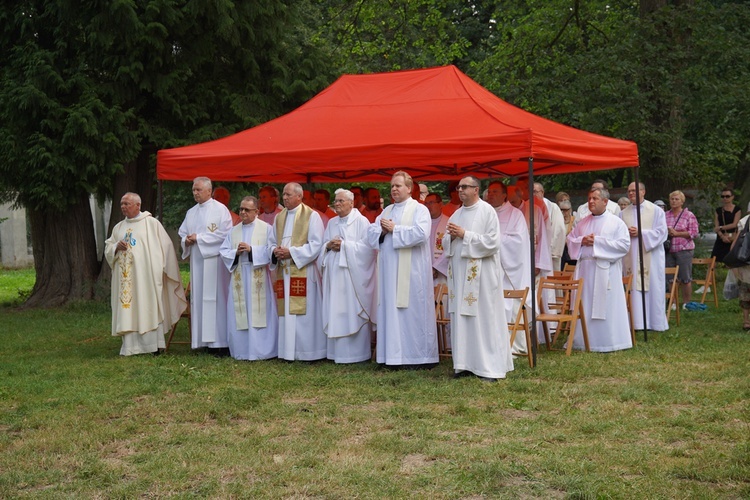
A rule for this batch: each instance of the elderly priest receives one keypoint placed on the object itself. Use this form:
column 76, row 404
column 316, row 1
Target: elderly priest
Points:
column 252, row 321
column 348, row 267
column 147, row 294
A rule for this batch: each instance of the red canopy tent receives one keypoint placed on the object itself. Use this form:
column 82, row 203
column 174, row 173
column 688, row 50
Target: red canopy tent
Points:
column 436, row 123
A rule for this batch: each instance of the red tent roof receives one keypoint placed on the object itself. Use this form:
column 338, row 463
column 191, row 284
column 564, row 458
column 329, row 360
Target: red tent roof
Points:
column 436, row 123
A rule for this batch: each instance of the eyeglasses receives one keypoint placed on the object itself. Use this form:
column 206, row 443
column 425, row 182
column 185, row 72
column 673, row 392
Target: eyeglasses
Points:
column 726, row 195
column 243, row 209
column 461, row 187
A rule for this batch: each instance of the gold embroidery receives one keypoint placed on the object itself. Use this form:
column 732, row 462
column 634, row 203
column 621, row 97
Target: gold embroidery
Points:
column 472, row 270
column 213, row 227
column 470, row 299
column 126, row 273
column 439, row 241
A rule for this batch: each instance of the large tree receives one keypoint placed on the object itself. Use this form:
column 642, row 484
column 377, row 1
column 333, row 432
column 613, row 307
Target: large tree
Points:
column 90, row 90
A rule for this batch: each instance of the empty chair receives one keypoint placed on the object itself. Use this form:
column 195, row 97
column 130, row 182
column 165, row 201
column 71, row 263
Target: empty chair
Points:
column 672, row 292
column 521, row 320
column 709, row 281
column 443, row 320
column 565, row 313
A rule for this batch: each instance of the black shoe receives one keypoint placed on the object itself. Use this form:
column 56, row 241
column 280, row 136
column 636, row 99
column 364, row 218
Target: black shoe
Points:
column 219, row 352
column 462, row 374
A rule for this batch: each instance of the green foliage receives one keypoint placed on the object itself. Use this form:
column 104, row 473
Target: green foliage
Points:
column 676, row 82
column 369, row 36
column 85, row 88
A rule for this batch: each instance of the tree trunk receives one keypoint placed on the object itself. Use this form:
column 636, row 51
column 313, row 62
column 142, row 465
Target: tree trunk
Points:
column 65, row 257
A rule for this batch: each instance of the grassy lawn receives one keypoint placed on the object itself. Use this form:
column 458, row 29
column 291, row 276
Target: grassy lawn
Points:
column 668, row 419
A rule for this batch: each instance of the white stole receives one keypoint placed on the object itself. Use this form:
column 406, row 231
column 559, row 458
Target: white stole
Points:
column 647, row 222
column 403, row 278
column 258, row 289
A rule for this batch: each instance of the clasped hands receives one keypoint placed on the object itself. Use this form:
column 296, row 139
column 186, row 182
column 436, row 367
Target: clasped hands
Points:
column 334, row 245
column 191, row 239
column 455, row 230
column 282, row 253
column 588, row 240
column 244, row 247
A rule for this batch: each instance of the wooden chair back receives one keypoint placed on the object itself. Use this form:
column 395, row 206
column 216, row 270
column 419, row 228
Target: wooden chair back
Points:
column 710, row 280
column 442, row 320
column 566, row 313
column 672, row 295
column 186, row 314
column 521, row 320
column 627, row 282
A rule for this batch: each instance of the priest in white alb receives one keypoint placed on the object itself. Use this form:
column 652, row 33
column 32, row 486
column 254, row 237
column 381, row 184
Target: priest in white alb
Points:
column 599, row 242
column 349, row 283
column 147, row 294
column 514, row 254
column 434, row 204
column 406, row 329
column 201, row 235
column 295, row 243
column 481, row 344
column 252, row 321
column 654, row 234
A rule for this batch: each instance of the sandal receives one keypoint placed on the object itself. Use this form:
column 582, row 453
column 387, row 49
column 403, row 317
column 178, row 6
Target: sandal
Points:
column 746, row 327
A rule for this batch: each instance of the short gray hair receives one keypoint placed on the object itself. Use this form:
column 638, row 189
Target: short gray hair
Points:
column 347, row 194
column 603, row 192
column 296, row 188
column 136, row 197
column 251, row 198
column 203, row 180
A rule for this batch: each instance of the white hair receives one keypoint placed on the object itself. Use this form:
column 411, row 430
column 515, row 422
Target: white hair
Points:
column 347, row 194
column 203, row 180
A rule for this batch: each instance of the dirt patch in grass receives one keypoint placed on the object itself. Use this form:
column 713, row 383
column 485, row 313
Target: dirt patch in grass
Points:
column 415, row 462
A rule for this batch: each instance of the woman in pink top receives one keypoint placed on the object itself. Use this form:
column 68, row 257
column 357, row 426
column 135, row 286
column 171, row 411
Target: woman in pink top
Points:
column 683, row 229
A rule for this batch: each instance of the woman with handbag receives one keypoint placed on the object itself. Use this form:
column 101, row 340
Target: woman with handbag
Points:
column 726, row 218
column 682, row 227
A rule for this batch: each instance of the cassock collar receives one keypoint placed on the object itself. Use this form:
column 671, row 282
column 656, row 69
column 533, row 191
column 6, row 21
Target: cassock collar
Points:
column 140, row 216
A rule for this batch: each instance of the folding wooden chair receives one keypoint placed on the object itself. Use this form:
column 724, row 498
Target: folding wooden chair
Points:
column 566, row 313
column 627, row 282
column 521, row 321
column 569, row 268
column 185, row 314
column 672, row 295
column 710, row 280
column 442, row 319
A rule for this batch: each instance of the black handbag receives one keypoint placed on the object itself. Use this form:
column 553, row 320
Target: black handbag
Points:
column 739, row 254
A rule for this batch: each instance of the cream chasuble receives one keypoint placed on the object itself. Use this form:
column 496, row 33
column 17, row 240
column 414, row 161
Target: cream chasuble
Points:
column 147, row 294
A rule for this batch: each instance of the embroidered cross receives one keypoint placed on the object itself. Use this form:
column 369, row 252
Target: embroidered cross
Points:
column 298, row 287
column 279, row 288
column 470, row 299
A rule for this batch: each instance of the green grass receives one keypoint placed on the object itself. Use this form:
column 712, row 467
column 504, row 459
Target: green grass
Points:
column 668, row 419
column 15, row 285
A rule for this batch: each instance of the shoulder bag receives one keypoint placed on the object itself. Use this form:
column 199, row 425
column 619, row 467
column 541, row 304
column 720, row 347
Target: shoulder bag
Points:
column 739, row 254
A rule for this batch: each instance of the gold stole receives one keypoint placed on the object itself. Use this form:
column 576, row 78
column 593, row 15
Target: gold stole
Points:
column 297, row 276
column 647, row 222
column 258, row 289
